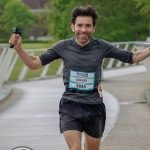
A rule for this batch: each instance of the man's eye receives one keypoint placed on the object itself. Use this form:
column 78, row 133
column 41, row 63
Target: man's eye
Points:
column 88, row 25
column 79, row 25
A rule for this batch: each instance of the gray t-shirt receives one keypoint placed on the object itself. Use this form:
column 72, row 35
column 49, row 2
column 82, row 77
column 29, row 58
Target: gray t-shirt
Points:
column 82, row 65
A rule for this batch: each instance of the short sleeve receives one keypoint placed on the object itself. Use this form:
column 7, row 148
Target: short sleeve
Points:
column 48, row 56
column 112, row 51
column 52, row 53
column 120, row 54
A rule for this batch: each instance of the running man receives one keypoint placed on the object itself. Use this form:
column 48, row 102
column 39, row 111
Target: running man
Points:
column 81, row 107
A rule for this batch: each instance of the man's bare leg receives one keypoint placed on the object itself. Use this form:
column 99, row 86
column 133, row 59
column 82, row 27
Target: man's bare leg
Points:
column 73, row 139
column 92, row 143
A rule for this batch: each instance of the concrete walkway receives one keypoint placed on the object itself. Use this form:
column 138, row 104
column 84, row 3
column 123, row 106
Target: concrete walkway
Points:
column 132, row 130
column 29, row 116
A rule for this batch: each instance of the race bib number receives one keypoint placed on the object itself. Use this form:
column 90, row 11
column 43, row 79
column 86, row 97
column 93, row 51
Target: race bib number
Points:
column 81, row 80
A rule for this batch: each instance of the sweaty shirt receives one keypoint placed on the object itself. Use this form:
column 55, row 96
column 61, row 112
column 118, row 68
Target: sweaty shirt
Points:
column 82, row 65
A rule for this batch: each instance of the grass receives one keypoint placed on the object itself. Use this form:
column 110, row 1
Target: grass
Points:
column 36, row 45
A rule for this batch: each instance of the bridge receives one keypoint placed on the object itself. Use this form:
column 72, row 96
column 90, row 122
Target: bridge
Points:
column 29, row 106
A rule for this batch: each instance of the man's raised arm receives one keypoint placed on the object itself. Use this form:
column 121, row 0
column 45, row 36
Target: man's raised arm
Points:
column 33, row 62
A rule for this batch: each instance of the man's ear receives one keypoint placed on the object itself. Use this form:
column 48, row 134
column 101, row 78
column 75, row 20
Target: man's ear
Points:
column 94, row 28
column 72, row 27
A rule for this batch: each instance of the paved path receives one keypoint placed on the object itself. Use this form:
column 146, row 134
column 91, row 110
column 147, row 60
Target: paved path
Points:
column 29, row 116
column 132, row 130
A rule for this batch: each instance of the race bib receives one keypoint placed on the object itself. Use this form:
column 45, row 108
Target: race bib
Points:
column 82, row 80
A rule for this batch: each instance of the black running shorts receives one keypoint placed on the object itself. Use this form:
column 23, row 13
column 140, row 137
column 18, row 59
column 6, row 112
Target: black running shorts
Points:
column 89, row 118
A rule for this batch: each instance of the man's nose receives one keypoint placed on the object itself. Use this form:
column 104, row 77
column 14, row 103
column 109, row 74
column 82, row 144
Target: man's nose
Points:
column 83, row 29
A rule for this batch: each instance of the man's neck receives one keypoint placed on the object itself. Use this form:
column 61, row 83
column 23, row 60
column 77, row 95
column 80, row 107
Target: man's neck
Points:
column 82, row 43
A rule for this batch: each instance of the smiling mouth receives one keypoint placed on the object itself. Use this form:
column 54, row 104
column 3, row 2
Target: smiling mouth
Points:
column 84, row 34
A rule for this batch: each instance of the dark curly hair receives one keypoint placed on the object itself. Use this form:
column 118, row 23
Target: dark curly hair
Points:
column 84, row 11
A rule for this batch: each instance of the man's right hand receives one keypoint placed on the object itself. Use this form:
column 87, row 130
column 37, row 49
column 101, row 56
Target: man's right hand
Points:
column 16, row 41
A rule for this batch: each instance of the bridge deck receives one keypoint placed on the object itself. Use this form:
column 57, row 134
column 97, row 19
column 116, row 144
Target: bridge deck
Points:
column 29, row 116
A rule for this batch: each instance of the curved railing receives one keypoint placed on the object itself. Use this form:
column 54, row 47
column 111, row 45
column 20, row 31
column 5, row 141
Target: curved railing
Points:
column 12, row 68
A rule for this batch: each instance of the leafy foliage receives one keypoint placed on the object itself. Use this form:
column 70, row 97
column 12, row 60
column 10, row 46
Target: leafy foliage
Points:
column 119, row 20
column 122, row 22
column 60, row 17
column 16, row 14
column 144, row 6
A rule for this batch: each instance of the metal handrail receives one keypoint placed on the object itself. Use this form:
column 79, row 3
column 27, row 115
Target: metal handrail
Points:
column 9, row 61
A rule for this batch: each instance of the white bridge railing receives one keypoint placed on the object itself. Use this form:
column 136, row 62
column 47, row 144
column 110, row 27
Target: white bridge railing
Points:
column 11, row 68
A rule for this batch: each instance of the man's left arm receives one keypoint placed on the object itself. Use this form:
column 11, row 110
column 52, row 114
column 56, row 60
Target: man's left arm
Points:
column 140, row 55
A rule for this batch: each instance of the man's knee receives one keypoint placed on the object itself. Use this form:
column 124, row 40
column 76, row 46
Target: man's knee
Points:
column 75, row 146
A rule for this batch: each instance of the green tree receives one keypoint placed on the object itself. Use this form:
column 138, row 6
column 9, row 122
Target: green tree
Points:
column 16, row 14
column 144, row 6
column 119, row 20
column 59, row 18
column 122, row 22
column 2, row 5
